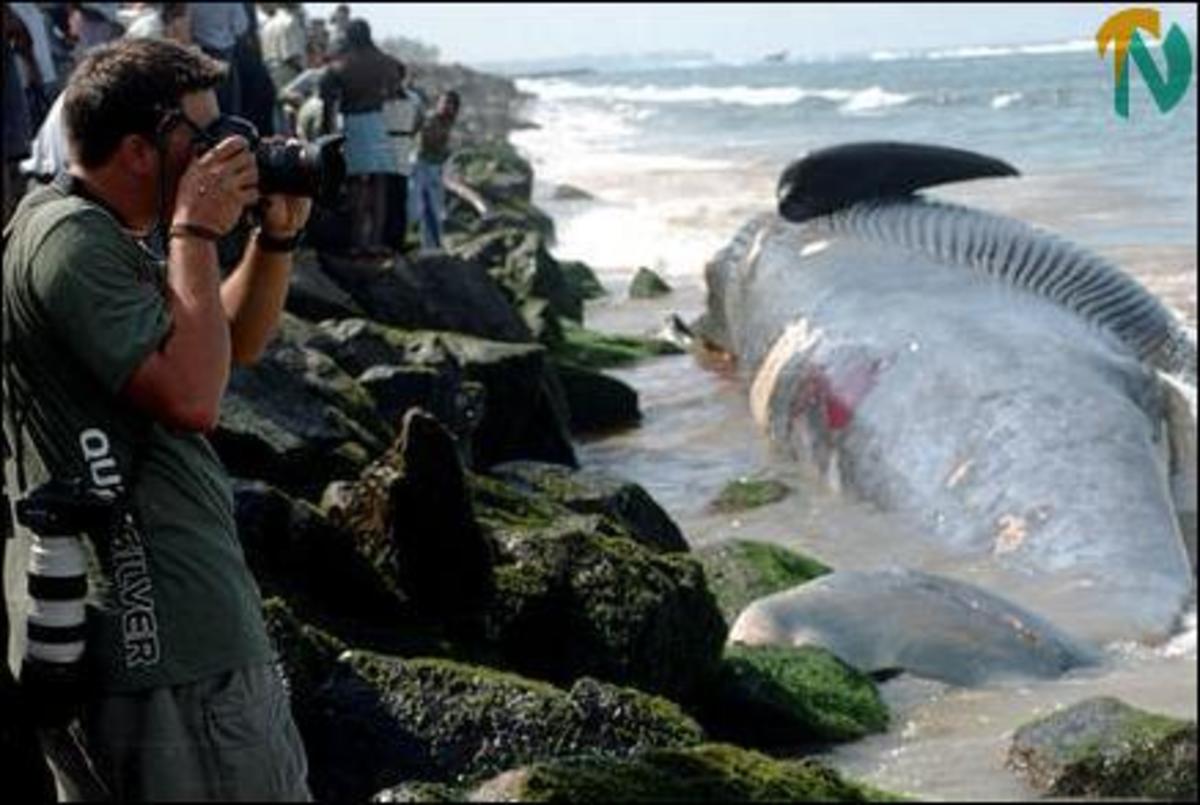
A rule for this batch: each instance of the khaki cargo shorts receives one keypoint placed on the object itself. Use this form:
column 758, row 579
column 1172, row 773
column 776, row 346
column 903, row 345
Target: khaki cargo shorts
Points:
column 230, row 738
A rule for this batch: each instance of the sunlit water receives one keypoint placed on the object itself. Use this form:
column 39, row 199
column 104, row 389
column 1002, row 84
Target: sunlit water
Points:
column 678, row 159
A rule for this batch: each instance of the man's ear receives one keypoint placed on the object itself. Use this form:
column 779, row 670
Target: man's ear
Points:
column 138, row 155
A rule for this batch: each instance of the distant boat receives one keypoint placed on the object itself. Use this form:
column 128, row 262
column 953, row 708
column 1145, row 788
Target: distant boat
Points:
column 776, row 58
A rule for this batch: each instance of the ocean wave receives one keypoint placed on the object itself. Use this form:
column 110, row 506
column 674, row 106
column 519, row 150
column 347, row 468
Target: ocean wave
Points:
column 1006, row 99
column 992, row 51
column 851, row 100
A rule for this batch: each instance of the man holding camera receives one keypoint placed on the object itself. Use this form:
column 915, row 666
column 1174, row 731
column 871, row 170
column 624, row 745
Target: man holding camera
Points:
column 115, row 368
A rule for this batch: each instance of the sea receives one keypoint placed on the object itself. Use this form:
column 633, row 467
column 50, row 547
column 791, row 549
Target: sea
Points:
column 677, row 154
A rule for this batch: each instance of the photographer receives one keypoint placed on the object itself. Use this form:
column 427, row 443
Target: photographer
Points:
column 115, row 368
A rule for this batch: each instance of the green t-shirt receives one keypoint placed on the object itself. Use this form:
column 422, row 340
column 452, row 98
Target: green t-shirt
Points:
column 86, row 304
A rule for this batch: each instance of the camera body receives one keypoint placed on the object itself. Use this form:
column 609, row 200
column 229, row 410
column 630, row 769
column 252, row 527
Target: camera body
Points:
column 68, row 508
column 316, row 169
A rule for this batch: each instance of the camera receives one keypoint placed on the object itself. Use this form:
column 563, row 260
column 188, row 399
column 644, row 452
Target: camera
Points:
column 67, row 508
column 315, row 169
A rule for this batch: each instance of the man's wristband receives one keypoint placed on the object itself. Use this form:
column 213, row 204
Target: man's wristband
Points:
column 269, row 243
column 186, row 230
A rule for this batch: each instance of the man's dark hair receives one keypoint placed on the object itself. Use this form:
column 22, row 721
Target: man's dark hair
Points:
column 125, row 87
column 358, row 33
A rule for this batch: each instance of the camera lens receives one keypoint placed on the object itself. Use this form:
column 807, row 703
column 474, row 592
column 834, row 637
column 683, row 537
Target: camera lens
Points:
column 314, row 169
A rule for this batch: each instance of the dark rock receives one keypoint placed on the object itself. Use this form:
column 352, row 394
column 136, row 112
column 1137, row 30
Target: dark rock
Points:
column 582, row 279
column 296, row 419
column 747, row 493
column 770, row 697
column 522, row 417
column 313, row 295
column 566, row 192
column 596, row 401
column 740, row 572
column 595, row 492
column 647, row 285
column 706, row 773
column 432, row 292
column 471, row 721
column 411, row 515
column 1102, row 747
column 295, row 552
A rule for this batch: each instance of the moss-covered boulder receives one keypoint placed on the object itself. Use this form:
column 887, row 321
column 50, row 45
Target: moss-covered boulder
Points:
column 296, row 418
column 577, row 604
column 308, row 654
column 567, row 192
column 577, row 596
column 744, row 494
column 495, row 170
column 582, row 279
column 596, row 402
column 595, row 350
column 769, row 696
column 647, row 285
column 1102, row 747
column 595, row 492
column 473, row 722
column 740, row 572
column 522, row 416
column 707, row 773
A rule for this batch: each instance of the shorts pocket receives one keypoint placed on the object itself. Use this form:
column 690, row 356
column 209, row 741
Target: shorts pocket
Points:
column 248, row 726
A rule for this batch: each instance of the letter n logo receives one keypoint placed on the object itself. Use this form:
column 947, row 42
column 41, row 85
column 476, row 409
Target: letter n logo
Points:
column 1121, row 32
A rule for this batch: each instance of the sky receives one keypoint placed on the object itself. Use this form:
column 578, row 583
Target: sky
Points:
column 479, row 33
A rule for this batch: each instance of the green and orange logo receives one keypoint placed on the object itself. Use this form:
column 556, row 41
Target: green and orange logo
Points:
column 1122, row 31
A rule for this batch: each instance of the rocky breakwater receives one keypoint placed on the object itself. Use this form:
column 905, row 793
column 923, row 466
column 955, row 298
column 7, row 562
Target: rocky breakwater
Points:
column 459, row 608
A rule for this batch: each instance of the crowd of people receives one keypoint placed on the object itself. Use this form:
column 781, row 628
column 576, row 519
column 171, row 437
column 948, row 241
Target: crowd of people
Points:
column 289, row 75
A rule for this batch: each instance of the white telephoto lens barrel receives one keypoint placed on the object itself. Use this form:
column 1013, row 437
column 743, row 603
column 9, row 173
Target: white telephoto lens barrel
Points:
column 57, row 590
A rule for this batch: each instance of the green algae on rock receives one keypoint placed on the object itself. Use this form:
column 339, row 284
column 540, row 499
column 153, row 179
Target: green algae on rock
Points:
column 595, row 350
column 740, row 572
column 706, row 773
column 748, row 493
column 1103, row 747
column 472, row 721
column 646, row 285
column 772, row 696
column 595, row 492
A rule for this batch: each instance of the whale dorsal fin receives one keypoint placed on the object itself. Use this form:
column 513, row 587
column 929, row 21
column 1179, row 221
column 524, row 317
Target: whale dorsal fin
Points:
column 830, row 179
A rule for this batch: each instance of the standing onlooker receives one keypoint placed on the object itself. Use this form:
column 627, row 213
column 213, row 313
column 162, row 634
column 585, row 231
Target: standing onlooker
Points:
column 339, row 20
column 358, row 82
column 216, row 28
column 26, row 29
column 283, row 42
column 433, row 149
column 258, row 94
column 17, row 132
column 162, row 21
column 402, row 115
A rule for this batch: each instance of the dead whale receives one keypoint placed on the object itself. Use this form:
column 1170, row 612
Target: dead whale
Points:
column 1029, row 404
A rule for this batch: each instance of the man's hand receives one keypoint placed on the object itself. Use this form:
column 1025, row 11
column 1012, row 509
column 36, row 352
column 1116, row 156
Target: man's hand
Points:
column 217, row 187
column 284, row 216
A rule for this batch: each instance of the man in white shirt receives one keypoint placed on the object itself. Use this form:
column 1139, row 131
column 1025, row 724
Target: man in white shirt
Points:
column 283, row 42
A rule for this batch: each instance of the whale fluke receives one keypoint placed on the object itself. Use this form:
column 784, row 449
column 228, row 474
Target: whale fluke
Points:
column 830, row 179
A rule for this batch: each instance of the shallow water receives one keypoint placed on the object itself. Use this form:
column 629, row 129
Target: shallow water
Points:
column 669, row 193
